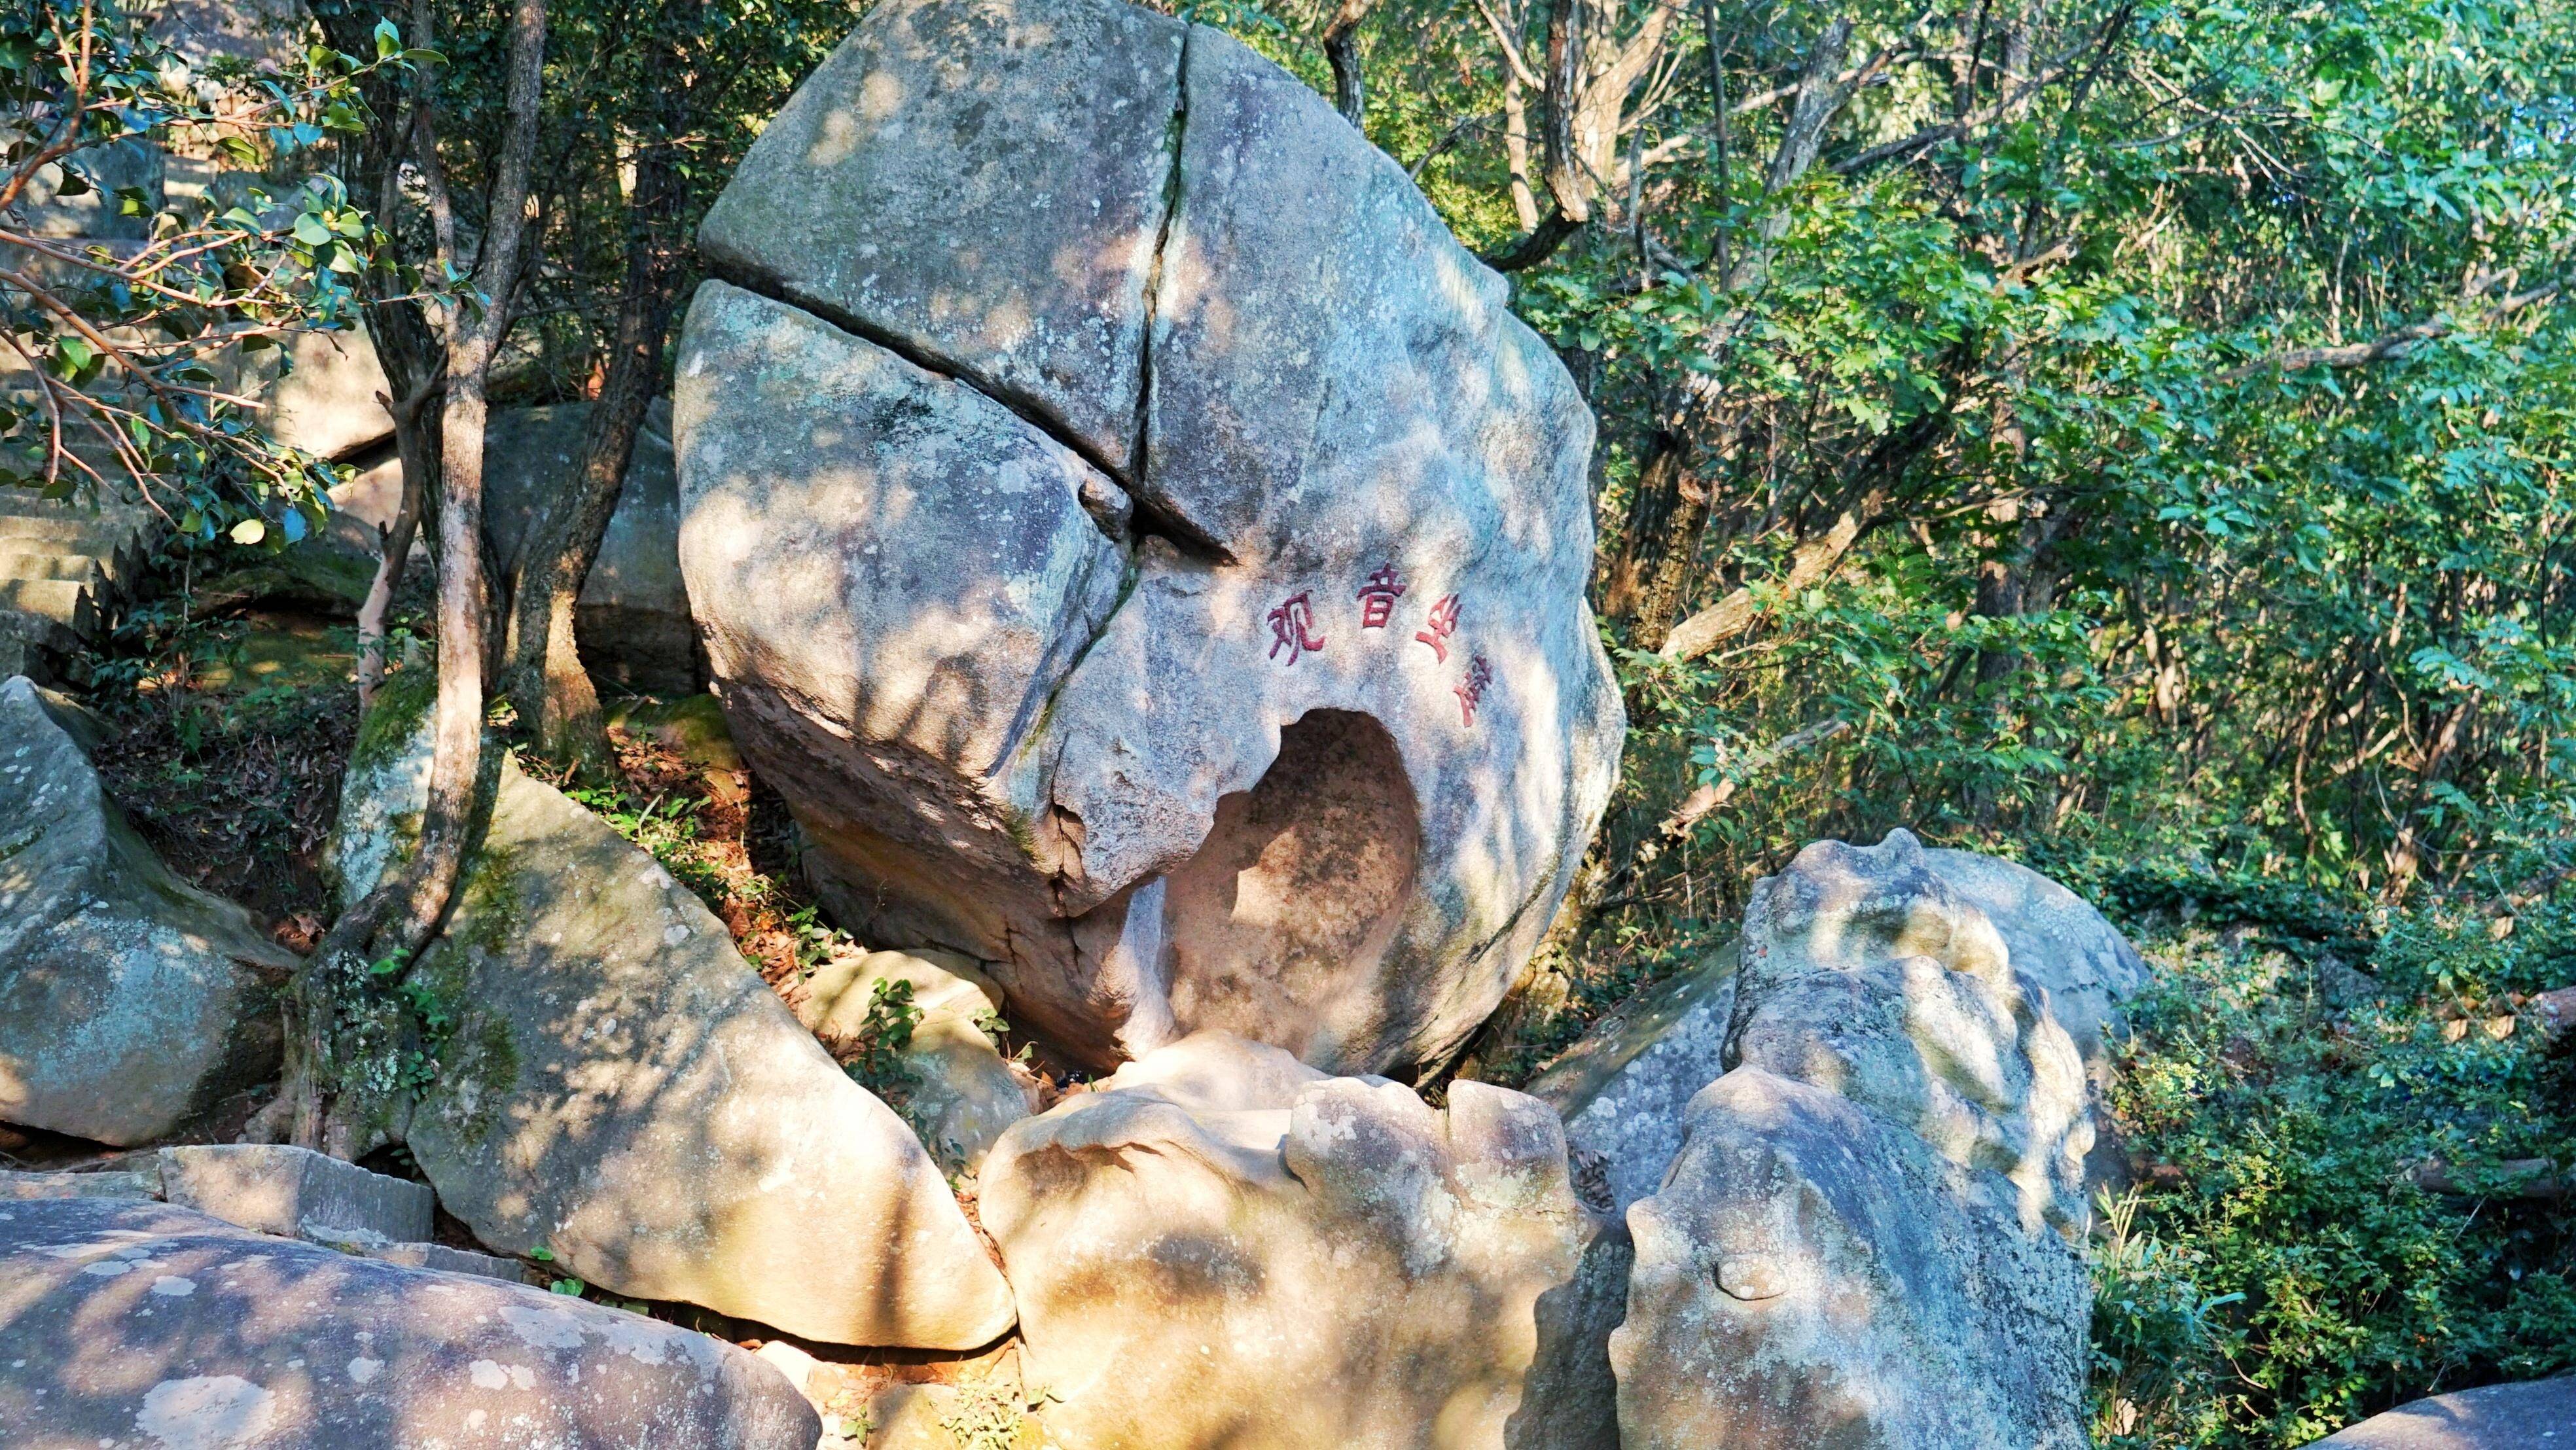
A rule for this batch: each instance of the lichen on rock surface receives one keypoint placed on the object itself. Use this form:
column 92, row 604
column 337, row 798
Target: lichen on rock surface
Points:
column 616, row 1086
column 1139, row 541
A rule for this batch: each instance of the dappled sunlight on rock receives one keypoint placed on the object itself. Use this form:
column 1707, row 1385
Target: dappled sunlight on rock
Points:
column 1359, row 492
column 1220, row 1246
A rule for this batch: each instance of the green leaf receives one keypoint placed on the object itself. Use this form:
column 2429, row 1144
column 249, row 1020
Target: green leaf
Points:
column 249, row 531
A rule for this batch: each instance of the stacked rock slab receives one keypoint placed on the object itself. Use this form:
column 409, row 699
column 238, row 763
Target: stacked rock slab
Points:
column 1864, row 1238
column 620, row 1089
column 1222, row 1247
column 131, row 1003
column 1139, row 541
column 136, row 1324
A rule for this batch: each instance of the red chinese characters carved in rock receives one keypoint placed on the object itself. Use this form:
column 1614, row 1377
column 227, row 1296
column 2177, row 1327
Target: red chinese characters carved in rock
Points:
column 1443, row 623
column 1292, row 625
column 1378, row 596
column 1472, row 691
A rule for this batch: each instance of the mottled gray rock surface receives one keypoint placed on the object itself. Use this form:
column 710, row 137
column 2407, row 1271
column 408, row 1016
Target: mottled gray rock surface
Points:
column 1249, row 688
column 1220, row 1246
column 275, row 1188
column 634, row 612
column 1624, row 1088
column 94, row 212
column 1815, row 1275
column 622, row 1090
column 139, row 1325
column 325, row 402
column 1865, row 973
column 982, row 180
column 1865, row 1237
column 131, row 1003
column 2056, row 939
column 2540, row 1415
column 108, row 1184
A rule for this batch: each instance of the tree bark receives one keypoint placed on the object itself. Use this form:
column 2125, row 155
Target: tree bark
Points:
column 1342, row 51
column 545, row 676
column 329, row 1104
column 1646, row 534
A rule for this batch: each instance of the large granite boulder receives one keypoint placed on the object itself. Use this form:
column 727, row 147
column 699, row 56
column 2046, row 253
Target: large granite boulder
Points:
column 2534, row 1415
column 633, row 620
column 1139, row 540
column 616, row 1086
column 1865, row 973
column 1865, row 1237
column 135, row 1324
column 131, row 1003
column 1222, row 1247
column 1812, row 1274
column 1624, row 1087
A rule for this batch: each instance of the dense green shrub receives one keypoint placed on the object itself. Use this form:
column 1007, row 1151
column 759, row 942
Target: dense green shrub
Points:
column 2284, row 1267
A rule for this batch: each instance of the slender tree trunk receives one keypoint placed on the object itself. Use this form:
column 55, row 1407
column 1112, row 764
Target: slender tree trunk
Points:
column 331, row 1101
column 394, row 542
column 1516, row 150
column 545, row 677
column 1342, row 50
column 1646, row 534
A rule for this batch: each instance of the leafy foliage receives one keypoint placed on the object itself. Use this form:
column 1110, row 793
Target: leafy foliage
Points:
column 132, row 356
column 2289, row 1265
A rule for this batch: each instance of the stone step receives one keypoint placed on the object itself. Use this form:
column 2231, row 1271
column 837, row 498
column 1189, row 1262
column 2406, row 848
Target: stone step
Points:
column 35, row 632
column 43, row 563
column 67, row 602
column 115, row 543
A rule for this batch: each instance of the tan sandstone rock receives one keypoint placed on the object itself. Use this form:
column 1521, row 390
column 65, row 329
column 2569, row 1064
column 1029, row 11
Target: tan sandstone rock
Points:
column 961, row 1095
column 620, row 1089
column 1222, row 1247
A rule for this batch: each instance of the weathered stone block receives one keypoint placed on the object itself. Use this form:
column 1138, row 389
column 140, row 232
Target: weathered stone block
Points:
column 1813, row 1275
column 290, row 1191
column 621, row 1090
column 1222, row 1247
column 1300, row 732
column 107, row 1184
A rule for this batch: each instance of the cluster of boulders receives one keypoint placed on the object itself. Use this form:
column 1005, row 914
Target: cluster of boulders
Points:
column 1147, row 557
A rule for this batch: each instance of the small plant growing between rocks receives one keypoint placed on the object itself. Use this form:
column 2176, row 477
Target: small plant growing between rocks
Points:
column 885, row 1037
column 991, row 1414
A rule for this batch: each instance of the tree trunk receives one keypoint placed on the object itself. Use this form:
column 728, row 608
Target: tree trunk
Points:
column 1647, row 535
column 340, row 1096
column 545, row 676
column 1342, row 50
